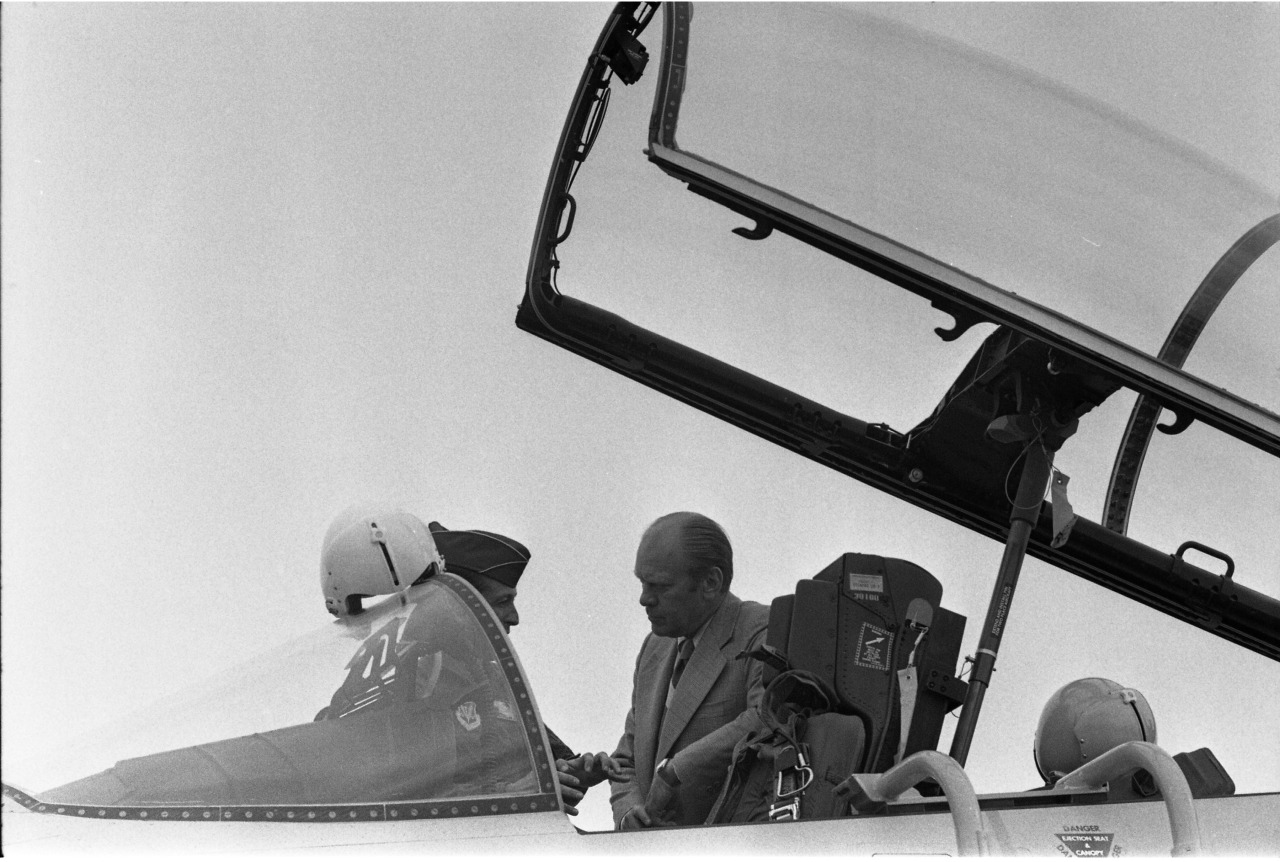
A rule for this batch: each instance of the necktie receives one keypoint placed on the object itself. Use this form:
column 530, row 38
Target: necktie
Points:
column 682, row 659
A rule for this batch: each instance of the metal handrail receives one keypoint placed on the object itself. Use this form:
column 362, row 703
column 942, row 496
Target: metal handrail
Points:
column 1169, row 780
column 971, row 837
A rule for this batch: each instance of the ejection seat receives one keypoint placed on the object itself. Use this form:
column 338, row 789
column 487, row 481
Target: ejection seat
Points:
column 858, row 679
column 873, row 630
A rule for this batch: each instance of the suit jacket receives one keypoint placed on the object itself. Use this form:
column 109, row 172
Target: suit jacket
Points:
column 714, row 706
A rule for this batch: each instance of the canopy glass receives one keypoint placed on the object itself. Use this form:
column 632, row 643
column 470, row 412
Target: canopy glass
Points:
column 417, row 701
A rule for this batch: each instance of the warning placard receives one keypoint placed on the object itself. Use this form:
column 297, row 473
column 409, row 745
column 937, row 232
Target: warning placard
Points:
column 874, row 647
column 1086, row 845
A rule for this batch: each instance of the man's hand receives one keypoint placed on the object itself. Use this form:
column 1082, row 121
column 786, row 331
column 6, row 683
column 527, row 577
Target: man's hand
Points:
column 591, row 769
column 571, row 790
column 640, row 818
column 585, row 771
column 657, row 807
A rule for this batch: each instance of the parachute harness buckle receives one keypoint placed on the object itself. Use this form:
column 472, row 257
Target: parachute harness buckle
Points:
column 793, row 777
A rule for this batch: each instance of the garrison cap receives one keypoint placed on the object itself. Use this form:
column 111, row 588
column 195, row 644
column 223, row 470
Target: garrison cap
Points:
column 478, row 552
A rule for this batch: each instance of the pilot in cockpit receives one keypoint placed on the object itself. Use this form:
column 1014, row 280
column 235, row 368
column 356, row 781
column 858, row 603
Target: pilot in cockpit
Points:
column 433, row 654
column 427, row 670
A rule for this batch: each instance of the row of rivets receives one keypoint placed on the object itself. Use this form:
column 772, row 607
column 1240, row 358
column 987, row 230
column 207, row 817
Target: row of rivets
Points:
column 332, row 814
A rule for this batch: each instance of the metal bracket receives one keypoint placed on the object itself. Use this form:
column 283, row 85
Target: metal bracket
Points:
column 762, row 229
column 963, row 320
column 1181, row 422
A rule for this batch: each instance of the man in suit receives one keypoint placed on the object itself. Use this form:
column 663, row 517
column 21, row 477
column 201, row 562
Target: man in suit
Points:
column 693, row 698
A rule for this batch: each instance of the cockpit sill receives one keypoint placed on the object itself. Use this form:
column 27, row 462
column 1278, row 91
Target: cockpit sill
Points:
column 1021, row 821
column 481, row 807
column 431, row 809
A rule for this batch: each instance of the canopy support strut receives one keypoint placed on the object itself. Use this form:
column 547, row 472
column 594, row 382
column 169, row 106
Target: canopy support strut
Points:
column 1036, row 467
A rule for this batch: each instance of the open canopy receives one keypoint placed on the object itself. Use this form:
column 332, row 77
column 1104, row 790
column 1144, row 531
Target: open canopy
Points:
column 898, row 241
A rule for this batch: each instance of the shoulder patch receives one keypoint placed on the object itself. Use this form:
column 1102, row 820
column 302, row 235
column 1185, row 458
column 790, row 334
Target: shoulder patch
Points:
column 468, row 716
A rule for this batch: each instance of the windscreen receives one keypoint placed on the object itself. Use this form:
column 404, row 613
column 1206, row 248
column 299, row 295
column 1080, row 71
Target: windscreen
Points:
column 418, row 701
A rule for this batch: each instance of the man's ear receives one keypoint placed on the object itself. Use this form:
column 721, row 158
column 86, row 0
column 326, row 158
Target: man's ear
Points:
column 713, row 581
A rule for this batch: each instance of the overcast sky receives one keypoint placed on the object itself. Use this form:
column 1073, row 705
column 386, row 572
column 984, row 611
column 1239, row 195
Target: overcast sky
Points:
column 262, row 261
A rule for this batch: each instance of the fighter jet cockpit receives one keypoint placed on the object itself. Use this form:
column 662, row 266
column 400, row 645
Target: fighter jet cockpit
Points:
column 994, row 270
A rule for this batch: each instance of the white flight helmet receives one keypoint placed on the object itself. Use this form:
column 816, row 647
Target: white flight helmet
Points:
column 1086, row 718
column 372, row 550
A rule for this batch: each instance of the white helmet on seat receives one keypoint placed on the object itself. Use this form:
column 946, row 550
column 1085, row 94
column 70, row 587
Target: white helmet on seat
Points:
column 1086, row 718
column 372, row 550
